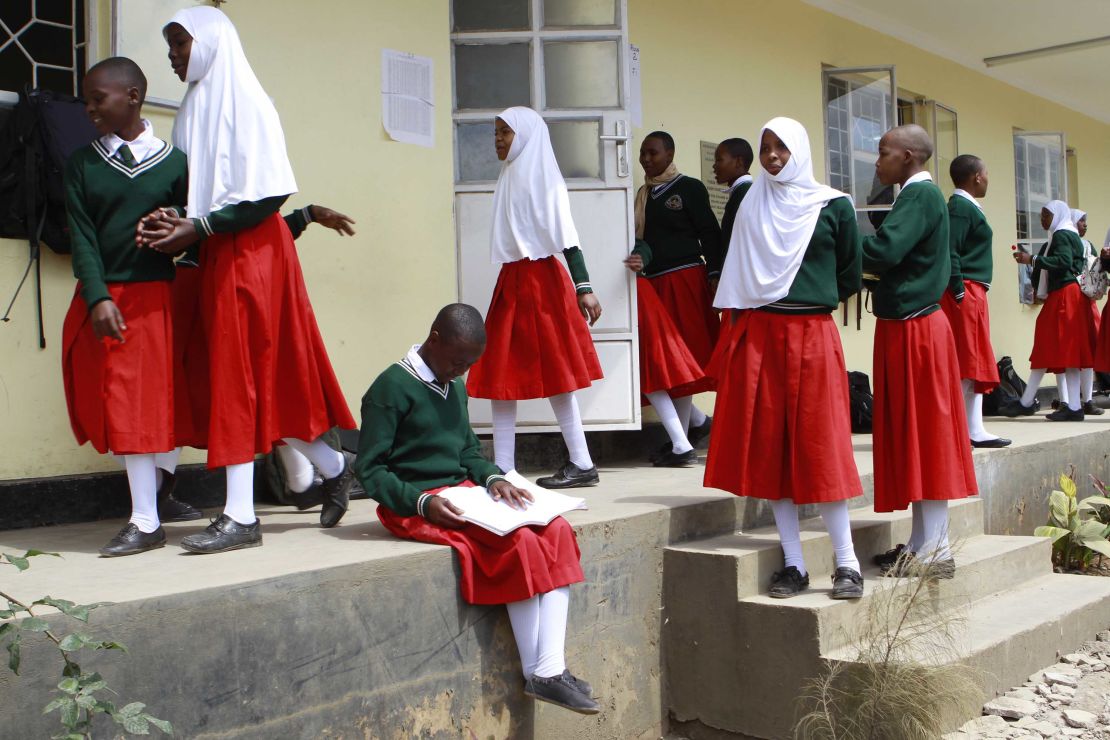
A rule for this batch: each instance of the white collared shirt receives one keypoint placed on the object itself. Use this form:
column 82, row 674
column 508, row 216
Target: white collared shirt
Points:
column 922, row 176
column 737, row 183
column 420, row 366
column 142, row 147
column 964, row 194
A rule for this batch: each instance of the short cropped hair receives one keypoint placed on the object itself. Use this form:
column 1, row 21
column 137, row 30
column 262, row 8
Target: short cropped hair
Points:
column 964, row 167
column 460, row 322
column 740, row 149
column 123, row 70
column 663, row 136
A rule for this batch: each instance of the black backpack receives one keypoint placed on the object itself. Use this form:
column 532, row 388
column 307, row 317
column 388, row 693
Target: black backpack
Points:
column 860, row 402
column 42, row 131
column 1010, row 388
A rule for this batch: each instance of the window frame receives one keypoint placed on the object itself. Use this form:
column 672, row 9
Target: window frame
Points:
column 1062, row 172
column 87, row 19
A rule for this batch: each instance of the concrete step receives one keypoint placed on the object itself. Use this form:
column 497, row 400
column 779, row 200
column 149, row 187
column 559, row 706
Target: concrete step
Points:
column 1013, row 633
column 754, row 555
column 985, row 565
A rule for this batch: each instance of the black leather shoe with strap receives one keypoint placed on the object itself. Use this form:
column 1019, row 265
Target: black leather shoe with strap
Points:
column 131, row 540
column 570, row 476
column 223, row 534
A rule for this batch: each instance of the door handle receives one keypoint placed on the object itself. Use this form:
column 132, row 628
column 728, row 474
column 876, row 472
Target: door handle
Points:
column 620, row 137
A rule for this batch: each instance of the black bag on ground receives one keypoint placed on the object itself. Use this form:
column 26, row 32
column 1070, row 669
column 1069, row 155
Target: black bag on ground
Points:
column 1011, row 387
column 860, row 402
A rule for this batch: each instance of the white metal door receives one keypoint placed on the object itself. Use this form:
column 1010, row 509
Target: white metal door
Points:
column 568, row 59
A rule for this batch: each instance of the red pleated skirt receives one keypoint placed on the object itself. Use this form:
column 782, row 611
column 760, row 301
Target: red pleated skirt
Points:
column 496, row 569
column 781, row 427
column 665, row 362
column 1102, row 349
column 190, row 361
column 1065, row 335
column 921, row 443
column 120, row 396
column 1097, row 316
column 685, row 295
column 268, row 370
column 971, row 329
column 538, row 344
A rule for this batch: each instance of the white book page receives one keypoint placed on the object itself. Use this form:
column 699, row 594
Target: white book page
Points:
column 497, row 516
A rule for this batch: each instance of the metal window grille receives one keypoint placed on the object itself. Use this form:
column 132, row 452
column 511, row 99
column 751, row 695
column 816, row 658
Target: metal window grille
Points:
column 42, row 44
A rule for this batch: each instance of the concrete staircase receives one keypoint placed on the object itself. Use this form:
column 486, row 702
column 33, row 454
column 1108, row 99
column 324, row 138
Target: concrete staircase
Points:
column 736, row 659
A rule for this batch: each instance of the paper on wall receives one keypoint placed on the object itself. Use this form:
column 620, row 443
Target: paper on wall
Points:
column 407, row 102
column 635, row 91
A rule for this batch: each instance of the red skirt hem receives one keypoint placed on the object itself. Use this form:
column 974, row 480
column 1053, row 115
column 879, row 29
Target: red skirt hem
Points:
column 921, row 448
column 496, row 569
column 971, row 330
column 666, row 364
column 269, row 375
column 120, row 395
column 538, row 344
column 1065, row 334
column 781, row 420
column 685, row 295
column 1102, row 349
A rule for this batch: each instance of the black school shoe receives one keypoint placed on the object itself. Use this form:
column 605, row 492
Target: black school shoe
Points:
column 223, row 534
column 336, row 493
column 1090, row 409
column 663, row 450
column 169, row 508
column 890, row 557
column 788, row 582
column 570, row 476
column 1015, row 408
column 674, row 459
column 847, row 584
column 1065, row 413
column 911, row 567
column 561, row 691
column 992, row 443
column 697, row 434
column 131, row 541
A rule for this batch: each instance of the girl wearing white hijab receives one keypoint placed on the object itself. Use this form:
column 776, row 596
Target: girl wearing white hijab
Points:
column 538, row 341
column 783, row 431
column 1087, row 374
column 269, row 377
column 1065, row 334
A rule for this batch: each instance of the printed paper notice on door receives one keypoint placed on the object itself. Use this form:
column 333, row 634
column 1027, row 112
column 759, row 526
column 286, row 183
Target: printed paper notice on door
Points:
column 407, row 107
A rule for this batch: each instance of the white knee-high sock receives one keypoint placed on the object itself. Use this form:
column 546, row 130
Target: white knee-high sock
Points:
column 524, row 616
column 551, row 646
column 504, row 434
column 1087, row 381
column 329, row 461
column 664, row 407
column 917, row 528
column 935, row 546
column 790, row 534
column 1071, row 379
column 167, row 461
column 240, row 492
column 839, row 526
column 144, row 491
column 1062, row 389
column 299, row 474
column 565, row 406
column 1035, row 378
column 973, row 404
column 697, row 416
column 685, row 408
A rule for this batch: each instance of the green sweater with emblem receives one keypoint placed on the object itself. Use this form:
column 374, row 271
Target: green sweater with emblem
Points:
column 1065, row 258
column 910, row 253
column 970, row 239
column 104, row 201
column 416, row 436
column 681, row 228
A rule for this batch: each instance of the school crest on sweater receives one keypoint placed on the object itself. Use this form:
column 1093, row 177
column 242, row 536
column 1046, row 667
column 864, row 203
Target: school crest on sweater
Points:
column 674, row 203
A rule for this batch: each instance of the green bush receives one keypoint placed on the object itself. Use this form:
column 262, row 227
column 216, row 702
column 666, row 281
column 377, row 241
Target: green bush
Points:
column 1078, row 529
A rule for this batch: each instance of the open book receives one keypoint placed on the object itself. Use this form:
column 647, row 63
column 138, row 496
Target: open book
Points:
column 500, row 518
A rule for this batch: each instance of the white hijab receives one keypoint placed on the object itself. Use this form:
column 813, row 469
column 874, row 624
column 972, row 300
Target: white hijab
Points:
column 1061, row 217
column 227, row 124
column 531, row 206
column 776, row 221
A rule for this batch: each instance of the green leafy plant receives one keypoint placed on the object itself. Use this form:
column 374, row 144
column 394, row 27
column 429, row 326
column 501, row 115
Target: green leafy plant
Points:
column 1078, row 529
column 76, row 698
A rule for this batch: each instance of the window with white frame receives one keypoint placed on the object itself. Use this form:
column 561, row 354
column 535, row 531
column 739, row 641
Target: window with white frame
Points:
column 1040, row 175
column 42, row 45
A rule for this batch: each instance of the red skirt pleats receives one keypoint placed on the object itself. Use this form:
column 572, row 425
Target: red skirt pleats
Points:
column 120, row 395
column 921, row 444
column 781, row 427
column 495, row 569
column 1065, row 334
column 685, row 295
column 971, row 330
column 666, row 364
column 538, row 344
column 269, row 372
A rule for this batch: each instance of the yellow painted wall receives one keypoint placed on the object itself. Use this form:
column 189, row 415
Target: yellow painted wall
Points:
column 711, row 70
column 714, row 69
